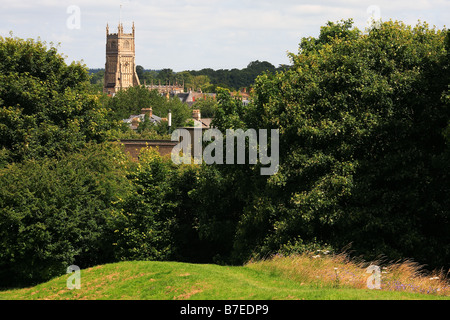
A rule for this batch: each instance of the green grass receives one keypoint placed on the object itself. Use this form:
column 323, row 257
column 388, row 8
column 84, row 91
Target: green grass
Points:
column 181, row 281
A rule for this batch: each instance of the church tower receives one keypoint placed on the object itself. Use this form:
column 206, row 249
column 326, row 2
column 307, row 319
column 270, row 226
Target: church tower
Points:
column 120, row 66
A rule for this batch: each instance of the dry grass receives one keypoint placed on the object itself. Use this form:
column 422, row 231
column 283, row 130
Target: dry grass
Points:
column 337, row 270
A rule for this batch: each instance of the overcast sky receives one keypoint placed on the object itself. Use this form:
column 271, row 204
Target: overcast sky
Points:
column 196, row 34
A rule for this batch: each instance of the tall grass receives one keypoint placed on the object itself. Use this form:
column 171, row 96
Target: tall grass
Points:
column 323, row 269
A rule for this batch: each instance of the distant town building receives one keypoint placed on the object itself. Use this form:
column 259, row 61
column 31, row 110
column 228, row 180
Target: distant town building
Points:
column 175, row 89
column 134, row 120
column 243, row 95
column 199, row 122
column 191, row 97
column 120, row 66
column 165, row 89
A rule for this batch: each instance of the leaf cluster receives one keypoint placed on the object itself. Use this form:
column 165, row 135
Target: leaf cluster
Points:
column 45, row 105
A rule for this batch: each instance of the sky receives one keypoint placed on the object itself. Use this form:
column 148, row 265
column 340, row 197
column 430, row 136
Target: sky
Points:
column 196, row 34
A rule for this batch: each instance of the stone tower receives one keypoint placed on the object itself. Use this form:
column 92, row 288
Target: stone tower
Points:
column 120, row 66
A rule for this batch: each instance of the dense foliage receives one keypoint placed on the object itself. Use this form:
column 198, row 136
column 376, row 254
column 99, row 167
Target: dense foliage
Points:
column 55, row 213
column 364, row 125
column 131, row 101
column 235, row 79
column 363, row 155
column 206, row 79
column 45, row 105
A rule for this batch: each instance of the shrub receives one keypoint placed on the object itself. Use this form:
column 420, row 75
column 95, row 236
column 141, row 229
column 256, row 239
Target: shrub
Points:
column 45, row 105
column 54, row 213
column 363, row 154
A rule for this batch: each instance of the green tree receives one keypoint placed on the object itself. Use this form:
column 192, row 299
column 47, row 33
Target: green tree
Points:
column 181, row 112
column 150, row 76
column 186, row 78
column 208, row 106
column 97, row 76
column 132, row 100
column 166, row 75
column 234, row 78
column 55, row 213
column 145, row 125
column 140, row 73
column 200, row 82
column 140, row 232
column 158, row 221
column 45, row 105
column 363, row 158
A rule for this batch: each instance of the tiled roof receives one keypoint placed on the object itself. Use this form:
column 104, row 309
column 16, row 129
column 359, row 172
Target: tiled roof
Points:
column 154, row 119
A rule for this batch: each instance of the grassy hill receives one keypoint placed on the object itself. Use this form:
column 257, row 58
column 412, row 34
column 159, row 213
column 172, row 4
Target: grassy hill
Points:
column 284, row 278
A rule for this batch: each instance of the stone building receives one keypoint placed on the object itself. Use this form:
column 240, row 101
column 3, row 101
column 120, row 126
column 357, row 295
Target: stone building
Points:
column 167, row 89
column 134, row 120
column 120, row 66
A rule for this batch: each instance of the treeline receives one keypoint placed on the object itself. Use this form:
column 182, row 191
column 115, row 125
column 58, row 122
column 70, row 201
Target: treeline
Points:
column 206, row 79
column 364, row 156
column 236, row 79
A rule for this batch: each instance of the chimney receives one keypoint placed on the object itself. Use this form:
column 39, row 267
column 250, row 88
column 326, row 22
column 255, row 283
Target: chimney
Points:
column 147, row 111
column 196, row 114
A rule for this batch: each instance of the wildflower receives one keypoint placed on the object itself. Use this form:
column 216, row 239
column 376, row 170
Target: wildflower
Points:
column 317, row 256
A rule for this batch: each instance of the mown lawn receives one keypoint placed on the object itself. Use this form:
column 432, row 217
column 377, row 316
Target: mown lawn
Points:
column 183, row 281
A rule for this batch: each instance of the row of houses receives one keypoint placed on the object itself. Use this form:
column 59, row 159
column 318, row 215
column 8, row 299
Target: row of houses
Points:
column 189, row 98
column 164, row 147
column 134, row 120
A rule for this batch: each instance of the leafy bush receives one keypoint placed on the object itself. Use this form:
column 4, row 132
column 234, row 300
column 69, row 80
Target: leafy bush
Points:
column 177, row 212
column 131, row 101
column 54, row 213
column 363, row 152
column 141, row 233
column 45, row 105
column 363, row 158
